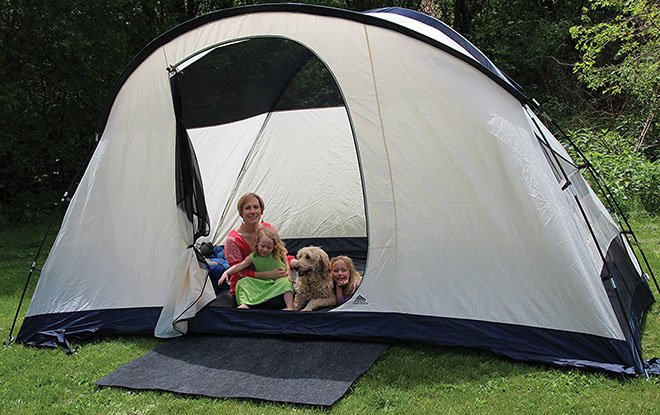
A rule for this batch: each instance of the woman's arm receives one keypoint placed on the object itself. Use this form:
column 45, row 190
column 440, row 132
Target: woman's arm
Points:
column 234, row 269
column 234, row 256
column 240, row 266
column 270, row 275
column 287, row 266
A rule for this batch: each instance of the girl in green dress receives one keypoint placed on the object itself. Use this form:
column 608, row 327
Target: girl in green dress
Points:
column 268, row 253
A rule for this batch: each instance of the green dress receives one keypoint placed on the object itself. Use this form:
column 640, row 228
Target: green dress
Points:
column 252, row 291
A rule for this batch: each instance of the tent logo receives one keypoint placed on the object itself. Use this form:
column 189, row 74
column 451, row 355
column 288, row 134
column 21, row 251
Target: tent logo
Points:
column 360, row 300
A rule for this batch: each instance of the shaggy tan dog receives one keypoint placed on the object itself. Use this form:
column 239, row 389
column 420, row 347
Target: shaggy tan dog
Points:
column 314, row 288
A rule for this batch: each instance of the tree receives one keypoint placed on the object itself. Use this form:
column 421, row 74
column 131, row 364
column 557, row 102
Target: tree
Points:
column 619, row 44
column 60, row 61
column 530, row 42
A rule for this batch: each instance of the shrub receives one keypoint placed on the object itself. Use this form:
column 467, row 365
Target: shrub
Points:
column 631, row 177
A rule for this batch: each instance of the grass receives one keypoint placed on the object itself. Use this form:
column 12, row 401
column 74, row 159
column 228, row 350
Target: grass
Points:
column 408, row 379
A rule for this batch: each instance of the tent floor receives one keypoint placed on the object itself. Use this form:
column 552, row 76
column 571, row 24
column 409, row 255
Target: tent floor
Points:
column 280, row 370
column 224, row 299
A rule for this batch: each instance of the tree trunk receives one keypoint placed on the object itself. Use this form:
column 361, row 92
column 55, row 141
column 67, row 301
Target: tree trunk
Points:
column 461, row 17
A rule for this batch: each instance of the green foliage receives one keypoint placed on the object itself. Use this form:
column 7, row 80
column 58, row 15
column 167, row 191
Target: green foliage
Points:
column 633, row 179
column 61, row 59
column 619, row 45
column 530, row 42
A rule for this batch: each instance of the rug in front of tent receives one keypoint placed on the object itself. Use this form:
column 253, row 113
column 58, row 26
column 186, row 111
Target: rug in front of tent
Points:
column 313, row 372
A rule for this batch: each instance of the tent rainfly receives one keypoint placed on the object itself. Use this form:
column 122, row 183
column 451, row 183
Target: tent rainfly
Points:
column 384, row 135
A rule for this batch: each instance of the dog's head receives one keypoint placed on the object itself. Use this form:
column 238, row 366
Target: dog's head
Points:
column 312, row 260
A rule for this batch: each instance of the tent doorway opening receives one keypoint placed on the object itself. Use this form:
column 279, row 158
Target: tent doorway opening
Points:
column 266, row 115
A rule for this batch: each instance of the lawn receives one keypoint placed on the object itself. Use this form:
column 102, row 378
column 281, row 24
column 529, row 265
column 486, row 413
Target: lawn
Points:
column 408, row 379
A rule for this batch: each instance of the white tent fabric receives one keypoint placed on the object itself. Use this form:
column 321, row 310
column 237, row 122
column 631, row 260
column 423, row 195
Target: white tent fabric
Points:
column 309, row 156
column 490, row 204
column 108, row 230
column 432, row 159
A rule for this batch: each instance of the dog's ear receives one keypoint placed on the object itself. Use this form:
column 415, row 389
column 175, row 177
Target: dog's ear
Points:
column 325, row 261
column 323, row 266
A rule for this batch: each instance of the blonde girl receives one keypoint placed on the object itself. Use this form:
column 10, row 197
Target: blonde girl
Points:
column 346, row 278
column 268, row 253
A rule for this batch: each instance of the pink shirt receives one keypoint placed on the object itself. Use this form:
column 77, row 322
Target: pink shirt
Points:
column 236, row 250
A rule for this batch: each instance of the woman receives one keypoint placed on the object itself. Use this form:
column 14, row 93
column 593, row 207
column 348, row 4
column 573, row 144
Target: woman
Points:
column 238, row 246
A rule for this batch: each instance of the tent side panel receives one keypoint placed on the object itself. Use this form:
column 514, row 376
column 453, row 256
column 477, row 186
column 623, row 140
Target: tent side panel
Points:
column 482, row 228
column 122, row 243
column 632, row 292
column 52, row 330
column 607, row 248
column 555, row 347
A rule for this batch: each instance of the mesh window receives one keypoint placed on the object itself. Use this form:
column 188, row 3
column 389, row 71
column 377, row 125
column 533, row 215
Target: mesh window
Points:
column 252, row 77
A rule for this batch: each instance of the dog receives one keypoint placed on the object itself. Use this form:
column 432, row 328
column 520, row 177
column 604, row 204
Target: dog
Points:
column 314, row 286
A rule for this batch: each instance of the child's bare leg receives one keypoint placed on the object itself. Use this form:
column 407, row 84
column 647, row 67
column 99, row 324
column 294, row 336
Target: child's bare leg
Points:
column 243, row 306
column 288, row 299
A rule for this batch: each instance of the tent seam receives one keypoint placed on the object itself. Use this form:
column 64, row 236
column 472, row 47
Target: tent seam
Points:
column 382, row 132
column 167, row 61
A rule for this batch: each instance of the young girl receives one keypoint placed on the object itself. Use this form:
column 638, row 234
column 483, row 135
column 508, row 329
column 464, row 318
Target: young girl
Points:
column 346, row 278
column 268, row 253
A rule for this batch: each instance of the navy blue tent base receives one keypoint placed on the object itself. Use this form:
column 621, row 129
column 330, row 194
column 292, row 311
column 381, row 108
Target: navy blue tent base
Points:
column 57, row 330
column 555, row 347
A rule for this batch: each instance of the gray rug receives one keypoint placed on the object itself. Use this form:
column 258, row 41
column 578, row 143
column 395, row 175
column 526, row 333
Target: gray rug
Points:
column 317, row 372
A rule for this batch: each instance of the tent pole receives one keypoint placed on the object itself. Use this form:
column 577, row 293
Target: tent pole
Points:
column 612, row 200
column 635, row 347
column 10, row 338
column 606, row 192
column 65, row 199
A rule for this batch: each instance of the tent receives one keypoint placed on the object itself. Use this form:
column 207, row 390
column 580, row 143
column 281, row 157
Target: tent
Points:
column 383, row 134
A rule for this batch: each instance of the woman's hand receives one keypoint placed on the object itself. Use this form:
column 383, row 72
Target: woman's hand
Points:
column 224, row 278
column 270, row 275
column 277, row 273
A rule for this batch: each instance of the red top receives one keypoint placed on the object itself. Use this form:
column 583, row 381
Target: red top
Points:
column 236, row 250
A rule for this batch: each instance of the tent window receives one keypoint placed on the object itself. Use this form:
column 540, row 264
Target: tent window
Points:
column 311, row 87
column 253, row 77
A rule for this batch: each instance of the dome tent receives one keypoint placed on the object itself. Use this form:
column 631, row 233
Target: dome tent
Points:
column 381, row 134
